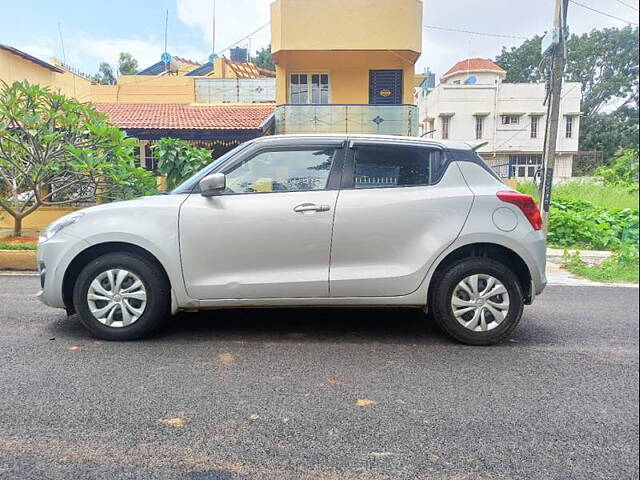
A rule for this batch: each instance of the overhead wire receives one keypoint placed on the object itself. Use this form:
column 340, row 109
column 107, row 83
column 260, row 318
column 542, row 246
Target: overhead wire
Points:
column 602, row 13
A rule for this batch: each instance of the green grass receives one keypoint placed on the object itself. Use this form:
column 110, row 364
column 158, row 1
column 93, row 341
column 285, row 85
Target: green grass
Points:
column 620, row 267
column 611, row 197
column 17, row 246
column 605, row 196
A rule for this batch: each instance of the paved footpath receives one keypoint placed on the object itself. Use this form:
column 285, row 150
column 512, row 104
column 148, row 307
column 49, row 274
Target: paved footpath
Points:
column 324, row 394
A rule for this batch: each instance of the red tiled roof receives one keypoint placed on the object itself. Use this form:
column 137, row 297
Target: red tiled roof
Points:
column 184, row 116
column 473, row 65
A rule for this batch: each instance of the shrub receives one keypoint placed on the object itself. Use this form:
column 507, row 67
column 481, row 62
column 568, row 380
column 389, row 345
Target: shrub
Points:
column 179, row 160
column 582, row 224
column 623, row 170
column 56, row 150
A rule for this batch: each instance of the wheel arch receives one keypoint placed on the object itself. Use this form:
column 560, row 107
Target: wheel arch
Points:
column 94, row 251
column 494, row 251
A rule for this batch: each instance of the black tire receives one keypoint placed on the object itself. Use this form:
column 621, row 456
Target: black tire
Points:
column 443, row 290
column 158, row 296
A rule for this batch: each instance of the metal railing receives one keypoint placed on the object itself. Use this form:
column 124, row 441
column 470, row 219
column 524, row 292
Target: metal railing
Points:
column 235, row 90
column 348, row 118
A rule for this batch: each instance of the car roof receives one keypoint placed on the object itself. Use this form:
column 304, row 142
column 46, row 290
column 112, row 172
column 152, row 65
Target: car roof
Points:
column 447, row 144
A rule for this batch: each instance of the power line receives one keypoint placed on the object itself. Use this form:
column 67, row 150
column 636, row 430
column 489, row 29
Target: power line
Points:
column 627, row 5
column 245, row 37
column 486, row 34
column 602, row 13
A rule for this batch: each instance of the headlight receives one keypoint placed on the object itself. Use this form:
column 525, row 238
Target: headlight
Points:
column 59, row 224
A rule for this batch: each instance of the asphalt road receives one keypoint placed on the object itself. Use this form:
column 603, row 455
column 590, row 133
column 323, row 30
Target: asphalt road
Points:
column 275, row 394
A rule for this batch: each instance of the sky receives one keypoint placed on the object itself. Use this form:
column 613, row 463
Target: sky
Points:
column 93, row 32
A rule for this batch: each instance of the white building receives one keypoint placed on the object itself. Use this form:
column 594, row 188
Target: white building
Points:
column 472, row 103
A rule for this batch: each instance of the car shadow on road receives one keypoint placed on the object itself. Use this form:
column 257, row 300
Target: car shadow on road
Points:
column 335, row 325
column 388, row 325
column 305, row 324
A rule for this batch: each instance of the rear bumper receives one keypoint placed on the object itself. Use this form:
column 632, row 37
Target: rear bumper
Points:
column 536, row 245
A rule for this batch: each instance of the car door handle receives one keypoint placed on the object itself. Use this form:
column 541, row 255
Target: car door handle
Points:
column 311, row 207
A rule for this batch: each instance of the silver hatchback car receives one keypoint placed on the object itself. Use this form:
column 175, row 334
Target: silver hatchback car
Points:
column 331, row 220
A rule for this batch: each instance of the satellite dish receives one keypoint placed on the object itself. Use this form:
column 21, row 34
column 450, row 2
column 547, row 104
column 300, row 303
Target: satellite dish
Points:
column 472, row 80
column 212, row 57
column 166, row 57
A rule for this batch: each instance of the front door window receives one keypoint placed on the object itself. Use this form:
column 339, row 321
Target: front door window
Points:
column 281, row 171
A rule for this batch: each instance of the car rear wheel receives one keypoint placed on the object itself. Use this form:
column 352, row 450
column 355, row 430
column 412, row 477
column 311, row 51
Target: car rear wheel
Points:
column 478, row 301
column 121, row 296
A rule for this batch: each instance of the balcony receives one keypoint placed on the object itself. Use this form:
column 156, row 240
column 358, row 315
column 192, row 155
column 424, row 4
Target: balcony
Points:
column 235, row 90
column 367, row 119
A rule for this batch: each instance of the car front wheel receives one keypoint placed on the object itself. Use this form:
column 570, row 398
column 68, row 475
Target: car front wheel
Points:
column 478, row 301
column 121, row 296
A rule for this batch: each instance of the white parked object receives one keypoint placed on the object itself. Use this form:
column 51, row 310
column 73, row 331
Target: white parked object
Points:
column 322, row 220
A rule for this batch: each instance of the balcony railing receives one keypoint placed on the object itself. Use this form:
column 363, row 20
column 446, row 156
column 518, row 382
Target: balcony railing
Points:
column 378, row 119
column 235, row 90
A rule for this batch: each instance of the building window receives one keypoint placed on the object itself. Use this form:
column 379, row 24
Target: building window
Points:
column 510, row 119
column 534, row 126
column 309, row 88
column 569, row 127
column 525, row 165
column 479, row 126
column 445, row 128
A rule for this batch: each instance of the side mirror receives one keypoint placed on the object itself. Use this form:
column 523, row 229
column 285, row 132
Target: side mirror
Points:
column 212, row 184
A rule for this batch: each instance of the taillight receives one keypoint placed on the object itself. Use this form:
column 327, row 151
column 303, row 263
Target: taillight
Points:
column 526, row 203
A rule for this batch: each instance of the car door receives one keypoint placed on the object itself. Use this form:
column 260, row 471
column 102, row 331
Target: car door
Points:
column 268, row 234
column 400, row 205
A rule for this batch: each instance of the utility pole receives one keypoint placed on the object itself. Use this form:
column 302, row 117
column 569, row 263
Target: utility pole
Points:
column 556, row 72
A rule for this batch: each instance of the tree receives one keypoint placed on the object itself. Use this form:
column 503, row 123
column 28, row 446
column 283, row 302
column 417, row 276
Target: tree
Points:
column 605, row 62
column 127, row 65
column 263, row 58
column 179, row 160
column 105, row 75
column 56, row 151
column 521, row 63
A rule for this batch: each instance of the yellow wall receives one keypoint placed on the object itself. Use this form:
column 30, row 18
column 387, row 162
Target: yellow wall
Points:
column 146, row 89
column 346, row 39
column 38, row 220
column 348, row 72
column 16, row 69
column 346, row 25
column 73, row 86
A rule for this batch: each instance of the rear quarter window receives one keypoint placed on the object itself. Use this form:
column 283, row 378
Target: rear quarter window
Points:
column 383, row 166
column 472, row 157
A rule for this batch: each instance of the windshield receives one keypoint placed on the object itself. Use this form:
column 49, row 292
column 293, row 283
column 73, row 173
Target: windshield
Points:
column 192, row 182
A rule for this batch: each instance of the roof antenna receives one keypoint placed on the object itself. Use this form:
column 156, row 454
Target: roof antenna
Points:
column 213, row 31
column 166, row 29
column 64, row 55
column 165, row 57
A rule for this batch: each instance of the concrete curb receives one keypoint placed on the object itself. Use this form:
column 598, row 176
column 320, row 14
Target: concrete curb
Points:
column 594, row 255
column 18, row 260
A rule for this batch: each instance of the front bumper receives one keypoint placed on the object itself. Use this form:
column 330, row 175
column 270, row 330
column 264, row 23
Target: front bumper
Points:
column 54, row 257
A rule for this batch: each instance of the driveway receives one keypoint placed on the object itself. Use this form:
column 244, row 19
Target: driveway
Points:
column 324, row 394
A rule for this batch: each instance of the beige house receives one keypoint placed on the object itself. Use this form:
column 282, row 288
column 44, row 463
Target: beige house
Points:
column 473, row 103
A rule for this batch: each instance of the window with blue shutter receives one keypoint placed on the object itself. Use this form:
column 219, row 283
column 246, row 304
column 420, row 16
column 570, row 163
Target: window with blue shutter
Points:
column 385, row 87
